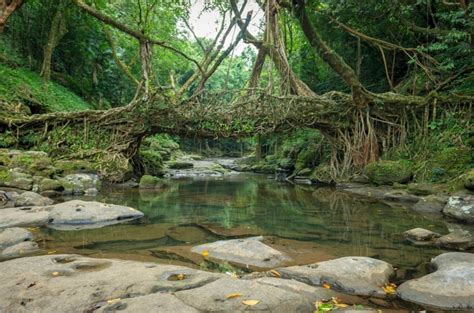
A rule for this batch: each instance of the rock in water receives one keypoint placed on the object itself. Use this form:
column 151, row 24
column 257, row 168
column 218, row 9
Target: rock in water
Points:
column 77, row 214
column 360, row 276
column 29, row 198
column 457, row 240
column 248, row 252
column 461, row 208
column 420, row 235
column 430, row 204
column 451, row 287
column 70, row 215
column 16, row 242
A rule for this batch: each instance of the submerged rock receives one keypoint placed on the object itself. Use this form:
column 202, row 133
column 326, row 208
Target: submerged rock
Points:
column 361, row 276
column 248, row 252
column 430, row 204
column 457, row 240
column 450, row 287
column 421, row 235
column 461, row 208
column 151, row 182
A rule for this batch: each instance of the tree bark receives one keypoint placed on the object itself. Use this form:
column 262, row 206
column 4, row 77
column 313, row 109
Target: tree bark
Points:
column 7, row 7
column 56, row 32
column 334, row 60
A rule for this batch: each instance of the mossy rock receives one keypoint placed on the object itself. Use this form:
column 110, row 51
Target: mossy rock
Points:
column 469, row 180
column 420, row 189
column 180, row 165
column 150, row 182
column 307, row 158
column 36, row 163
column 306, row 172
column 322, row 174
column 263, row 168
column 7, row 140
column 114, row 168
column 15, row 179
column 389, row 172
column 286, row 163
column 450, row 162
column 75, row 166
column 152, row 163
column 49, row 184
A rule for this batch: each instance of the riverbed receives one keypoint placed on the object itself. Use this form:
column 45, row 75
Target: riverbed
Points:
column 309, row 224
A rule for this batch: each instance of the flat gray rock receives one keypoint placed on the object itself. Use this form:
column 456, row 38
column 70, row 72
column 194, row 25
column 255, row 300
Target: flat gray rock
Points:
column 361, row 276
column 70, row 215
column 161, row 302
column 12, row 236
column 450, row 287
column 271, row 294
column 24, row 216
column 248, row 252
column 460, row 208
column 77, row 214
column 19, row 250
column 71, row 283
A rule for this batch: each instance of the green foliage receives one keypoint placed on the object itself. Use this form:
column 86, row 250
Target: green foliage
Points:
column 23, row 86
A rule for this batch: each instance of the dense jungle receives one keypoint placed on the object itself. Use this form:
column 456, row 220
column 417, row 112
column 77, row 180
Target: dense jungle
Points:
column 236, row 155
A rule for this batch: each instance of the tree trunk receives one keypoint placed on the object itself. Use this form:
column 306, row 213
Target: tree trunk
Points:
column 146, row 53
column 56, row 32
column 7, row 7
column 335, row 61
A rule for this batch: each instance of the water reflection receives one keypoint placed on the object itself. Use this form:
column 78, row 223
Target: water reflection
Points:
column 337, row 223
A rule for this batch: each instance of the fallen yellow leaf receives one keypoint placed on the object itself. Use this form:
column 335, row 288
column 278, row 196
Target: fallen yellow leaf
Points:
column 32, row 228
column 390, row 289
column 233, row 295
column 55, row 273
column 52, row 252
column 275, row 273
column 326, row 285
column 205, row 253
column 112, row 301
column 250, row 302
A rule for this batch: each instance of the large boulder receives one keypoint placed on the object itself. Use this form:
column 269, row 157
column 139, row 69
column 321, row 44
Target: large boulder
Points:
column 244, row 252
column 72, row 283
column 450, row 287
column 361, row 276
column 29, row 198
column 70, row 215
column 461, row 208
column 77, row 214
column 8, row 199
column 13, row 178
column 80, row 183
column 389, row 172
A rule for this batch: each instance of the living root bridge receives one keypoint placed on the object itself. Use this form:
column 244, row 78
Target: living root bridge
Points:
column 357, row 135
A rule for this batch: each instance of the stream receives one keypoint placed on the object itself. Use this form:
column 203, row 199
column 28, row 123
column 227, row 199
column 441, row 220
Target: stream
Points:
column 309, row 224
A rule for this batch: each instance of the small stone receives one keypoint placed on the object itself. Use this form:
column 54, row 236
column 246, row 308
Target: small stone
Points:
column 460, row 208
column 430, row 204
column 12, row 236
column 420, row 234
column 19, row 250
column 457, row 240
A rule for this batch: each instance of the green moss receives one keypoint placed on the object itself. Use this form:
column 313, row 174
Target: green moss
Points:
column 469, row 180
column 307, row 158
column 75, row 166
column 149, row 182
column 389, row 172
column 450, row 162
column 179, row 165
column 7, row 140
column 21, row 85
column 152, row 163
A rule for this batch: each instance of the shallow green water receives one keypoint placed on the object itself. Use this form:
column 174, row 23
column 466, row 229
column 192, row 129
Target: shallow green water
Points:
column 336, row 223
